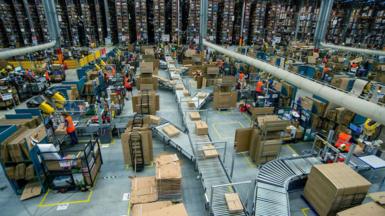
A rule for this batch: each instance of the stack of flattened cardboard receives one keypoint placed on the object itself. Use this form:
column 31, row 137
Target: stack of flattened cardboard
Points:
column 168, row 177
column 146, row 101
column 146, row 208
column 331, row 188
column 225, row 99
column 29, row 123
column 143, row 190
column 163, row 209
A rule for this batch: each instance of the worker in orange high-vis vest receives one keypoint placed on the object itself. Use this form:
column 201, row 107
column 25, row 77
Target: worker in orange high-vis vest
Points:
column 258, row 89
column 47, row 78
column 70, row 128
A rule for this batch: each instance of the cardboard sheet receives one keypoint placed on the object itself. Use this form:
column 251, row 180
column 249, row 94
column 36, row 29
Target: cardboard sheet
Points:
column 32, row 189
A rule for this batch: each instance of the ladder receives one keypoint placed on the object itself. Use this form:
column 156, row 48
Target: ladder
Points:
column 145, row 103
column 136, row 151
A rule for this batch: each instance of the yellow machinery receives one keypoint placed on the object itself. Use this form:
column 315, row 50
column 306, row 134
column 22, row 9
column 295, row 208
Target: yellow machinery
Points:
column 370, row 127
column 48, row 102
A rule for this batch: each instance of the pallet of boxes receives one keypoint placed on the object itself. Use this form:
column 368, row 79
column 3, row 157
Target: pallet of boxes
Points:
column 146, row 80
column 17, row 163
column 332, row 188
column 156, row 195
column 263, row 142
column 224, row 95
column 149, row 57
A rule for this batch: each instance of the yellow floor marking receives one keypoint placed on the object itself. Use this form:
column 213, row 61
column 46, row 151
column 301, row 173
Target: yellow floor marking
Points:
column 42, row 205
column 291, row 148
column 305, row 211
column 248, row 160
column 129, row 208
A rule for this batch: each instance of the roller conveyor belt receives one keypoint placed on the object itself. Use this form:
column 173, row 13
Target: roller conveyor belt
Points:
column 272, row 184
column 212, row 171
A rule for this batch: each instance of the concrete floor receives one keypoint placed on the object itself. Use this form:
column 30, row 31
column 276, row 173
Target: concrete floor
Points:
column 113, row 181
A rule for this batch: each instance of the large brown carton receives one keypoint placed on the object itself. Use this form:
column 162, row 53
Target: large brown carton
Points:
column 370, row 209
column 143, row 190
column 344, row 116
column 147, row 208
column 201, row 128
column 209, row 151
column 171, row 131
column 331, row 188
column 225, row 100
column 242, row 139
column 147, row 67
column 146, row 137
column 147, row 83
column 195, row 116
column 139, row 104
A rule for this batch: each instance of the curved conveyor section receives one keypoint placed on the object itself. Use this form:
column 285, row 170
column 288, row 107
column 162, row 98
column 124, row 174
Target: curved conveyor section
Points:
column 273, row 181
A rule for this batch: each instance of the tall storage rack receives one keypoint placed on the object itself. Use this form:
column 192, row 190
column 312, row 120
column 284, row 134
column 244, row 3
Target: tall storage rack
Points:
column 227, row 21
column 175, row 18
column 141, row 20
column 336, row 25
column 38, row 18
column 246, row 21
column 193, row 20
column 88, row 26
column 308, row 16
column 22, row 22
column 212, row 19
column 9, row 25
column 98, row 17
column 159, row 19
column 258, row 15
column 122, row 20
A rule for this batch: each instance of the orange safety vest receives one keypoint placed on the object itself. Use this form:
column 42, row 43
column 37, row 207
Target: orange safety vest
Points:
column 70, row 124
column 258, row 87
column 241, row 75
column 47, row 76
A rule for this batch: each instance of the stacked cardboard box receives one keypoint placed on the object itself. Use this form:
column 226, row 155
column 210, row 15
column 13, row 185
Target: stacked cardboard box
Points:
column 161, row 208
column 141, row 105
column 331, row 188
column 141, row 20
column 168, row 177
column 159, row 18
column 146, row 140
column 122, row 20
column 143, row 190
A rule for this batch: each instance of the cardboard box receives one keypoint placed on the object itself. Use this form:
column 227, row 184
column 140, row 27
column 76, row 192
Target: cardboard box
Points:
column 147, row 67
column 10, row 171
column 201, row 128
column 168, row 173
column 146, row 137
column 186, row 93
column 29, row 172
column 179, row 86
column 209, row 151
column 143, row 190
column 225, row 100
column 195, row 116
column 307, row 103
column 255, row 111
column 190, row 103
column 331, row 188
column 319, row 107
column 155, row 120
column 177, row 210
column 370, row 209
column 233, row 202
column 20, row 171
column 344, row 116
column 153, row 104
column 147, row 208
column 212, row 70
column 171, row 131
column 311, row 60
column 242, row 139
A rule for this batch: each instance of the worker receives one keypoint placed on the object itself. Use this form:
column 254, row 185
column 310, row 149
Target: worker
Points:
column 258, row 89
column 127, row 85
column 354, row 67
column 70, row 128
column 47, row 77
column 241, row 76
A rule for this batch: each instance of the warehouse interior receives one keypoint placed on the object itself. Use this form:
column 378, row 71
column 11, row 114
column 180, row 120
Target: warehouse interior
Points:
column 192, row 107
